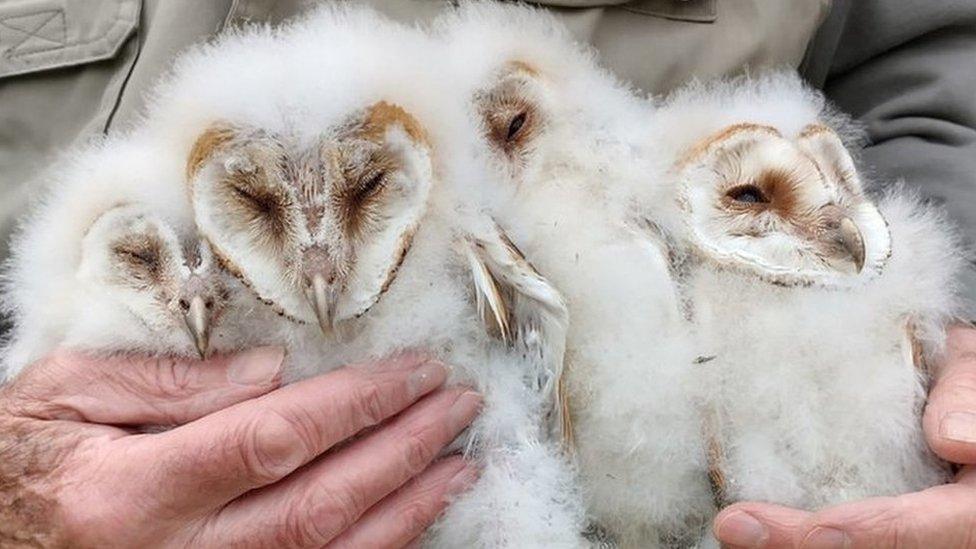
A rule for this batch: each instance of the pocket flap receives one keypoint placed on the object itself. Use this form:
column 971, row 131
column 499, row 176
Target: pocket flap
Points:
column 37, row 35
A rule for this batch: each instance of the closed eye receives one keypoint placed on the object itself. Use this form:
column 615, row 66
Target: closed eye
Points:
column 370, row 185
column 138, row 256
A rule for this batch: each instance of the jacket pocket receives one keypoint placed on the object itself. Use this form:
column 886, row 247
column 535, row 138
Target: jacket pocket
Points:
column 38, row 35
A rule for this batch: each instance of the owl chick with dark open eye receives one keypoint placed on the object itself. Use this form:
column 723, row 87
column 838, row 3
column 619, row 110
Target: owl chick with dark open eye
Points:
column 817, row 304
column 564, row 141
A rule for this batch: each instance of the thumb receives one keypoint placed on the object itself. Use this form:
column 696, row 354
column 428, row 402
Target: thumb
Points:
column 140, row 390
column 950, row 416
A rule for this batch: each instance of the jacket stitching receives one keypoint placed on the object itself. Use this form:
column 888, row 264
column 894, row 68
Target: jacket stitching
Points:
column 35, row 32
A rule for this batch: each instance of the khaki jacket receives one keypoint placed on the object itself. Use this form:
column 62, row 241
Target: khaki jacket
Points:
column 72, row 69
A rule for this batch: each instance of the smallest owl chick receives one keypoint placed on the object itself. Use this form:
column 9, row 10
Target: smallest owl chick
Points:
column 168, row 283
column 108, row 260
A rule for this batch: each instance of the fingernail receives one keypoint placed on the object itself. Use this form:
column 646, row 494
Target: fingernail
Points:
column 823, row 537
column 427, row 377
column 462, row 480
column 742, row 529
column 258, row 366
column 464, row 410
column 958, row 426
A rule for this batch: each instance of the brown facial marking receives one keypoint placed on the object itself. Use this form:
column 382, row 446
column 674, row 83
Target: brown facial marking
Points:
column 205, row 147
column 706, row 145
column 382, row 115
column 263, row 206
column 511, row 119
column 359, row 193
column 141, row 257
column 774, row 190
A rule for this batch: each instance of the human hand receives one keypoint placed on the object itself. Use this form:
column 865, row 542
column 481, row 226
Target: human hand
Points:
column 243, row 468
column 942, row 516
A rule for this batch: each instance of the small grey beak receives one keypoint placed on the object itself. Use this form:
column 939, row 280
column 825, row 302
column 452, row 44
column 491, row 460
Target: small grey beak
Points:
column 852, row 241
column 318, row 294
column 198, row 323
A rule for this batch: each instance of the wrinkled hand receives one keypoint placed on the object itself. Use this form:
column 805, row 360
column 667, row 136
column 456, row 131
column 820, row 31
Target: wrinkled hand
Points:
column 245, row 466
column 943, row 516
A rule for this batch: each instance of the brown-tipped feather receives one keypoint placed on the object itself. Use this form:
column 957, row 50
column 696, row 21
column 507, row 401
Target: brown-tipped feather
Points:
column 815, row 129
column 381, row 115
column 565, row 419
column 208, row 142
column 714, row 456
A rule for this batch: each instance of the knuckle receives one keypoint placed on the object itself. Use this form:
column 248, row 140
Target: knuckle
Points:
column 416, row 516
column 369, row 402
column 273, row 446
column 301, row 529
column 169, row 377
column 322, row 517
column 418, row 452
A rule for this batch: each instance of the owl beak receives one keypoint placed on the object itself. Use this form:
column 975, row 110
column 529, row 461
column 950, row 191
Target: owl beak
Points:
column 321, row 299
column 198, row 323
column 852, row 240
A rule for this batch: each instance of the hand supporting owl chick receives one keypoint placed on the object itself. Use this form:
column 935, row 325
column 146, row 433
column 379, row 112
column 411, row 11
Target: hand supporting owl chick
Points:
column 72, row 474
column 942, row 516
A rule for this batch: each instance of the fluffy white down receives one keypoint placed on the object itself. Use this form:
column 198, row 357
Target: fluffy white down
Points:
column 810, row 384
column 807, row 385
column 526, row 484
column 569, row 208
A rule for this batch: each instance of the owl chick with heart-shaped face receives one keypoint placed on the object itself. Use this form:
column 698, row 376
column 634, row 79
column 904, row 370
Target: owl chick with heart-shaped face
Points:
column 109, row 261
column 816, row 306
column 566, row 142
column 337, row 200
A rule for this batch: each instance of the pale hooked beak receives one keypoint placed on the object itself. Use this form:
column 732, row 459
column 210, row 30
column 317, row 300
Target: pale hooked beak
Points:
column 852, row 240
column 322, row 300
column 198, row 323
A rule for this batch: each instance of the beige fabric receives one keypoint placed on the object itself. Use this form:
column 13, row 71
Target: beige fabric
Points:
column 43, row 34
column 69, row 69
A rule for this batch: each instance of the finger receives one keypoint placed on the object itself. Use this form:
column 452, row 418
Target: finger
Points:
column 406, row 514
column 314, row 506
column 943, row 516
column 758, row 525
column 219, row 457
column 950, row 416
column 130, row 390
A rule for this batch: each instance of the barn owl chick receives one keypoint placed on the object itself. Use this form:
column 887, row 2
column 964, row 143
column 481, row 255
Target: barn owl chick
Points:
column 109, row 261
column 316, row 230
column 171, row 286
column 338, row 200
column 566, row 142
column 816, row 305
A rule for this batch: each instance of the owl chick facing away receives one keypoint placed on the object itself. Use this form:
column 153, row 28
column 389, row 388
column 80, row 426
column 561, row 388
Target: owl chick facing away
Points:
column 108, row 261
column 340, row 202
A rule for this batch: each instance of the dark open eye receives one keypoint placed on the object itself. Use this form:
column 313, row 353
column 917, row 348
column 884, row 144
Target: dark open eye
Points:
column 515, row 125
column 747, row 194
